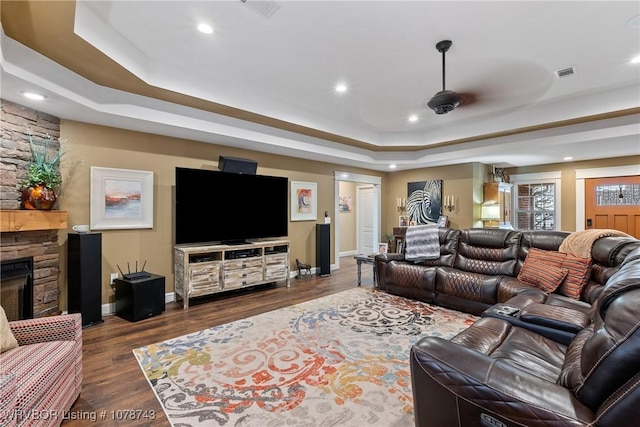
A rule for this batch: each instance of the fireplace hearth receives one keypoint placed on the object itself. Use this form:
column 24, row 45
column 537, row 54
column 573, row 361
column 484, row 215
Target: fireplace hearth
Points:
column 16, row 288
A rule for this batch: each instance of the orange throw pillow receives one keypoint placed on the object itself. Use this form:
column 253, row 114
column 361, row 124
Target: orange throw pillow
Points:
column 551, row 258
column 542, row 276
column 579, row 270
column 578, row 276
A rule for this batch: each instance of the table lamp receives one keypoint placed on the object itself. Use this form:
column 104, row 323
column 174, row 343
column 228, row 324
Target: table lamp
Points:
column 490, row 215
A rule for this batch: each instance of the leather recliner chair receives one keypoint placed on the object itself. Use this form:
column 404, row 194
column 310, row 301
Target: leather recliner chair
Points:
column 498, row 374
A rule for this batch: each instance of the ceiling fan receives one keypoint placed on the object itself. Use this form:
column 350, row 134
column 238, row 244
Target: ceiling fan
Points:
column 445, row 100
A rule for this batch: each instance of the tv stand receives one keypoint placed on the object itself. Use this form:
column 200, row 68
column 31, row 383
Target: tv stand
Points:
column 208, row 269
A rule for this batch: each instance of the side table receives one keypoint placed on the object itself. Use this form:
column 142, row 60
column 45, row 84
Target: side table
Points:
column 141, row 298
column 367, row 259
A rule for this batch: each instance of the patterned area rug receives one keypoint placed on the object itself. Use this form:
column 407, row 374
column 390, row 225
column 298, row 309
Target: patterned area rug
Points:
column 340, row 360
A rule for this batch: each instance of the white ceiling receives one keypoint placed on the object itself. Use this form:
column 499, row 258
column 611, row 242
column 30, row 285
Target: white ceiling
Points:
column 286, row 66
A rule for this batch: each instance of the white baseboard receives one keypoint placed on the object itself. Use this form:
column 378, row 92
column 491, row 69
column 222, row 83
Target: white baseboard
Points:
column 348, row 253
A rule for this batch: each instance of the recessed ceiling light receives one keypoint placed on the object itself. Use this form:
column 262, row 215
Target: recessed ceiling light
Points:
column 635, row 60
column 34, row 96
column 567, row 158
column 413, row 118
column 341, row 87
column 392, row 166
column 205, row 28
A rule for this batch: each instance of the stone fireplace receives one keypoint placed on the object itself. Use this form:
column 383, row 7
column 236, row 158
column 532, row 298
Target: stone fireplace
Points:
column 24, row 233
column 41, row 246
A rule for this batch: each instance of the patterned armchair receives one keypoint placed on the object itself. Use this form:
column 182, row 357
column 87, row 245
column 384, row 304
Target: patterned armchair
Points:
column 41, row 378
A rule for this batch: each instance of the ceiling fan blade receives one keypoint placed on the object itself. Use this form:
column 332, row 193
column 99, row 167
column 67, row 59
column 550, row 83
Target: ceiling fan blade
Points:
column 467, row 98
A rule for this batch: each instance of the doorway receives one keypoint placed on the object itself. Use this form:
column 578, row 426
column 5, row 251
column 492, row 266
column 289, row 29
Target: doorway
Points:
column 620, row 174
column 366, row 227
column 613, row 203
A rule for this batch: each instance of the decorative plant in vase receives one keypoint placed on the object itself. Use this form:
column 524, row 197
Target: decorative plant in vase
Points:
column 43, row 176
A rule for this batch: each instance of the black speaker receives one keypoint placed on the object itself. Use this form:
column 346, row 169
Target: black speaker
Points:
column 323, row 249
column 141, row 298
column 237, row 165
column 84, row 270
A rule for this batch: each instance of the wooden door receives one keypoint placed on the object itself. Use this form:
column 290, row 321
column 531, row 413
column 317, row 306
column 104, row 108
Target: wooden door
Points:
column 613, row 203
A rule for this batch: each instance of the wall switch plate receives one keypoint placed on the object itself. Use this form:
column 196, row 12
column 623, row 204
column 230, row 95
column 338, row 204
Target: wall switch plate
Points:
column 113, row 278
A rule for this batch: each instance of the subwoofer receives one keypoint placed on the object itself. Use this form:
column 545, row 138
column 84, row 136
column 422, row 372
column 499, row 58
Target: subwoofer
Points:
column 237, row 165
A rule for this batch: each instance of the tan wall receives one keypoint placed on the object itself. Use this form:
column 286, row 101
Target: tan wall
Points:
column 348, row 241
column 568, row 186
column 457, row 180
column 90, row 145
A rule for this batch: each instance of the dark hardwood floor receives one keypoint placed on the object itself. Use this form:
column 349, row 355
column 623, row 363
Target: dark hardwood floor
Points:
column 114, row 388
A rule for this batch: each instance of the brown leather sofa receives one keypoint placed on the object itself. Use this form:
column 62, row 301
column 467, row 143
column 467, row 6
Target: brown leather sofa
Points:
column 478, row 268
column 496, row 373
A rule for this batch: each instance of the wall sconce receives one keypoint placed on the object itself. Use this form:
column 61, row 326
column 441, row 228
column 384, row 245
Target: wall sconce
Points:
column 401, row 204
column 449, row 203
column 491, row 214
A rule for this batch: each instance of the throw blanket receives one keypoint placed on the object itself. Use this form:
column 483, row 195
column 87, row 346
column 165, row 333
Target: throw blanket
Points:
column 422, row 243
column 579, row 243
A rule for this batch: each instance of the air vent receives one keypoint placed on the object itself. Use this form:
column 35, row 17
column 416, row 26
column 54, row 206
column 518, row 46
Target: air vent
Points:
column 566, row 72
column 265, row 8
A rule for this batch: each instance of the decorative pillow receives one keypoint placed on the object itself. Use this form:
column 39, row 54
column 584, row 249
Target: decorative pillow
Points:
column 542, row 276
column 7, row 340
column 579, row 270
column 551, row 258
column 577, row 278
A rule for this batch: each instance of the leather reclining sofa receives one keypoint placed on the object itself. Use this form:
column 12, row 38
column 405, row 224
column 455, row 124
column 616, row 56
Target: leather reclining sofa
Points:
column 549, row 359
column 478, row 268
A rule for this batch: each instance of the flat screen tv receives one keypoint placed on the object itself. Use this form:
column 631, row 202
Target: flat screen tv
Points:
column 214, row 206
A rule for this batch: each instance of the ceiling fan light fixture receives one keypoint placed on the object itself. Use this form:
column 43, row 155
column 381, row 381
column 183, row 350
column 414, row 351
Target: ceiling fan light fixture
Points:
column 444, row 101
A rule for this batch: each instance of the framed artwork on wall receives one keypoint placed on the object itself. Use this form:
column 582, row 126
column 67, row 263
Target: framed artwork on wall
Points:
column 304, row 201
column 345, row 204
column 424, row 201
column 121, row 199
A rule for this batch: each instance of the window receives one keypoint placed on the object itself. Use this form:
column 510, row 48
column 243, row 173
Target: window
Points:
column 536, row 201
column 616, row 195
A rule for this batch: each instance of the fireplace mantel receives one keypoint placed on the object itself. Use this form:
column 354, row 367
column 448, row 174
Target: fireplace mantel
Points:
column 31, row 220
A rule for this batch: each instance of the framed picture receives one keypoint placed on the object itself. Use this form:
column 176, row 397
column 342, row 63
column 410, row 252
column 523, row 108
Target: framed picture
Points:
column 424, row 201
column 383, row 248
column 443, row 221
column 304, row 201
column 400, row 246
column 345, row 204
column 403, row 221
column 120, row 199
